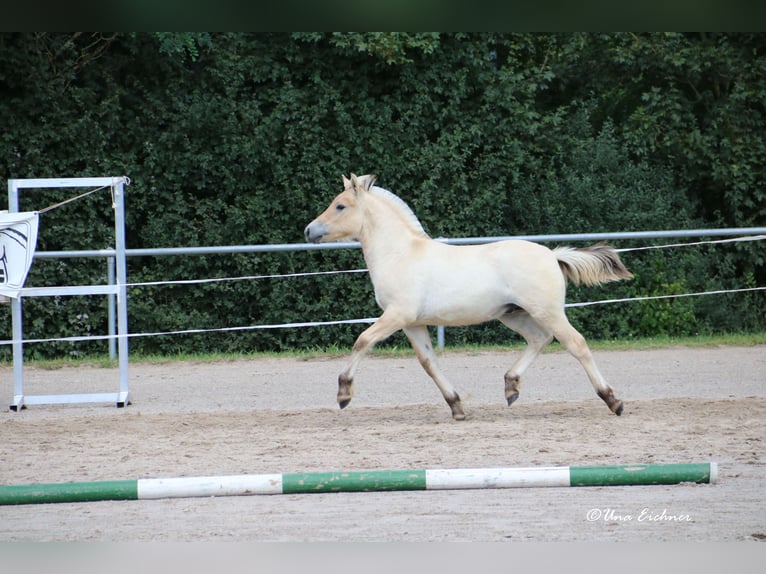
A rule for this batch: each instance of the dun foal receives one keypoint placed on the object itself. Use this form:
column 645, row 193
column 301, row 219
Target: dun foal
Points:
column 419, row 281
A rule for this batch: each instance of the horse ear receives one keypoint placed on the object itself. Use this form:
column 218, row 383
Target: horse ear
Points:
column 346, row 182
column 355, row 184
column 370, row 180
column 363, row 183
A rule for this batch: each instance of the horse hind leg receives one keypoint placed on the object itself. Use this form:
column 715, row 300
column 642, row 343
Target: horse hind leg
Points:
column 537, row 339
column 577, row 346
column 421, row 342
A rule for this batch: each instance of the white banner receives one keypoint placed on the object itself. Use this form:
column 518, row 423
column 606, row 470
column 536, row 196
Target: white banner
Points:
column 18, row 239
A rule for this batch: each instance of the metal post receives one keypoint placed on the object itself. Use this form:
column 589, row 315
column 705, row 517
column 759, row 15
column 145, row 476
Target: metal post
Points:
column 122, row 291
column 16, row 317
column 110, row 309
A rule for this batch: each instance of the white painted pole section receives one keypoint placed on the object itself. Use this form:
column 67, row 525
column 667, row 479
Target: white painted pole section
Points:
column 448, row 479
column 209, row 486
column 713, row 473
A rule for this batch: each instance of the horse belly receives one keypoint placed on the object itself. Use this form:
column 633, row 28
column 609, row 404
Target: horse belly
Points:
column 474, row 284
column 464, row 301
column 465, row 285
column 457, row 316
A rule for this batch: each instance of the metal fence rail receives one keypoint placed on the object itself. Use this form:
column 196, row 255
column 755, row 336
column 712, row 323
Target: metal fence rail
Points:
column 229, row 249
column 750, row 232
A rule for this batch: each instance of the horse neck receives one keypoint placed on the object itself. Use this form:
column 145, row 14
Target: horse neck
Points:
column 387, row 232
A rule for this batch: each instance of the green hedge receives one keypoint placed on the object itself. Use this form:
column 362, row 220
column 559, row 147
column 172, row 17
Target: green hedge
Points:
column 242, row 139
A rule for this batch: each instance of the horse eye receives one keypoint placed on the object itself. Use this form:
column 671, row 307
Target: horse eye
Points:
column 340, row 207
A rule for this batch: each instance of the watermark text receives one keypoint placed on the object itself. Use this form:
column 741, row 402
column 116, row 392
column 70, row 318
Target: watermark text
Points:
column 642, row 515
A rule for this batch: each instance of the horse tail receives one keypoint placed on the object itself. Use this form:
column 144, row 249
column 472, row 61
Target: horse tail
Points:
column 592, row 265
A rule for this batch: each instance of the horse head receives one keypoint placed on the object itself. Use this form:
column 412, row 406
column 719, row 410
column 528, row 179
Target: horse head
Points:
column 344, row 217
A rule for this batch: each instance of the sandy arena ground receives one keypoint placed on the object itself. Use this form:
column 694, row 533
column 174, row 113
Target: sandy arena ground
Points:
column 278, row 415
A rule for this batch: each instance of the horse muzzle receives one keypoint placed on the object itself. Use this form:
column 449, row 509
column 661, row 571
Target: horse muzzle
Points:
column 315, row 231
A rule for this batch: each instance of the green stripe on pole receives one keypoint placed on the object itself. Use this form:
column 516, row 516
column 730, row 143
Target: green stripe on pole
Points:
column 301, row 483
column 641, row 474
column 69, row 492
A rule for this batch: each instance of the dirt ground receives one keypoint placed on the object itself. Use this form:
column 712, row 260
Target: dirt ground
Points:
column 254, row 416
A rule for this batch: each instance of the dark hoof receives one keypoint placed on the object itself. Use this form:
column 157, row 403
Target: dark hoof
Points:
column 344, row 404
column 512, row 398
column 618, row 410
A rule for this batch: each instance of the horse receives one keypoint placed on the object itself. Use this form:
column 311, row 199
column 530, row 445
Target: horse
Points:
column 419, row 281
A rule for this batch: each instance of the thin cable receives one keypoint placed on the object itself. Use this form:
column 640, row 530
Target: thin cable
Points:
column 730, row 240
column 243, row 278
column 649, row 298
column 71, row 199
column 198, row 331
column 340, row 322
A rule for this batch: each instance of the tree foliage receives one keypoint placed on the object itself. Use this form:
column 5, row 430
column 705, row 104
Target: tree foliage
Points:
column 234, row 138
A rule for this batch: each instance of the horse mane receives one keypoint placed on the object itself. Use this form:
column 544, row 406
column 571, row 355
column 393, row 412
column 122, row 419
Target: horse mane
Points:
column 401, row 206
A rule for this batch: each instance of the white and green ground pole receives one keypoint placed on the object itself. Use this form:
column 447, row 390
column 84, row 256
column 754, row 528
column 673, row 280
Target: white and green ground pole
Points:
column 359, row 481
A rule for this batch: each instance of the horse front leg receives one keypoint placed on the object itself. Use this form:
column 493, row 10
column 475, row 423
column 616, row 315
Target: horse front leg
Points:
column 421, row 342
column 384, row 327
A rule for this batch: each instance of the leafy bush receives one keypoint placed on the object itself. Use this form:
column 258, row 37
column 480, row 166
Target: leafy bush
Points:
column 242, row 138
